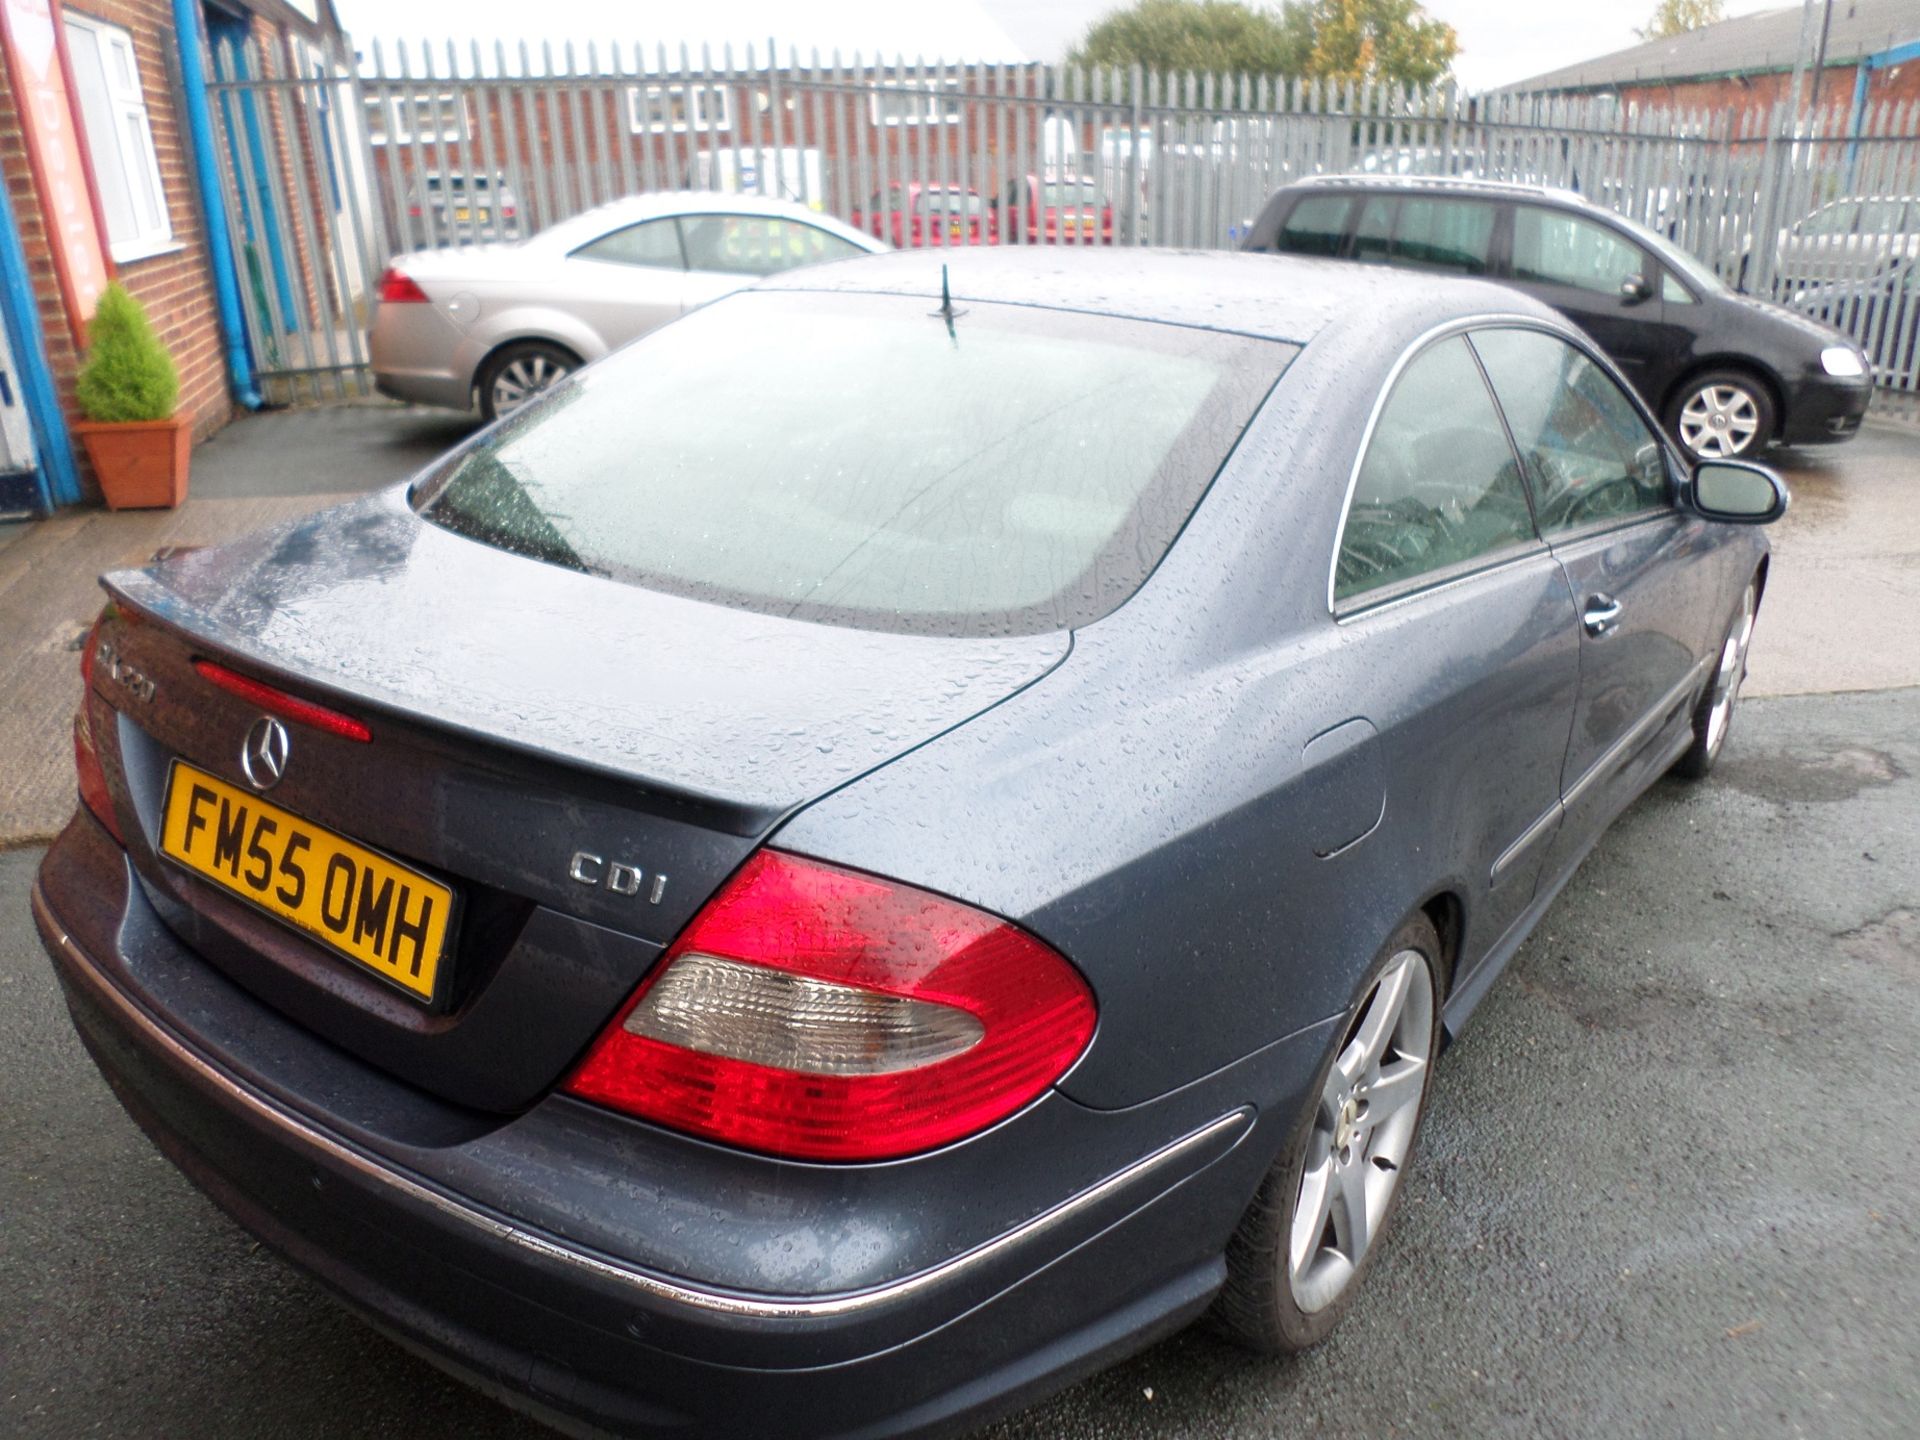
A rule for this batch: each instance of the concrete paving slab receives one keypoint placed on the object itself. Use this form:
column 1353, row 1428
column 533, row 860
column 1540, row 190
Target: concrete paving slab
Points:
column 1842, row 610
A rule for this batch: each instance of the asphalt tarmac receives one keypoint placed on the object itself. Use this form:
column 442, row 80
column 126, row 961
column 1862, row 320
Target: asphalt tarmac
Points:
column 1669, row 1186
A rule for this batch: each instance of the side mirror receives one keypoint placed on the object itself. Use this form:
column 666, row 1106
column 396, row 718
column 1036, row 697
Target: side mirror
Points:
column 1738, row 492
column 1634, row 289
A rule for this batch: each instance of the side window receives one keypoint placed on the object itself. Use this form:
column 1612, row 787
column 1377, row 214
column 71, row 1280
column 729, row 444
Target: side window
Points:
column 1834, row 219
column 1590, row 455
column 1373, row 236
column 1316, row 226
column 1444, row 234
column 652, row 243
column 1673, row 292
column 1438, row 486
column 1555, row 248
column 758, row 244
column 1882, row 217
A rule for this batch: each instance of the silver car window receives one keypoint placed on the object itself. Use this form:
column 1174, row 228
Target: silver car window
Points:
column 654, row 244
column 1588, row 451
column 1439, row 487
column 758, row 244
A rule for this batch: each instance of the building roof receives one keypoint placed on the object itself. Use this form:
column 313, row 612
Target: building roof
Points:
column 640, row 31
column 1745, row 45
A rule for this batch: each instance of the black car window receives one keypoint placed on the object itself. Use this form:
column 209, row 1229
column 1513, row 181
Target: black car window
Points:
column 758, row 244
column 1673, row 292
column 1439, row 486
column 1316, row 226
column 652, row 243
column 1439, row 234
column 1588, row 451
column 1373, row 236
column 1553, row 247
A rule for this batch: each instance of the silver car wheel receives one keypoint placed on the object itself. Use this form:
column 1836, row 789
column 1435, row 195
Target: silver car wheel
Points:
column 1732, row 670
column 523, row 379
column 1368, row 1112
column 1720, row 420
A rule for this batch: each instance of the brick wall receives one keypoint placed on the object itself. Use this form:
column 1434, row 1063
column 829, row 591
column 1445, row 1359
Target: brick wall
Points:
column 176, row 287
column 1756, row 94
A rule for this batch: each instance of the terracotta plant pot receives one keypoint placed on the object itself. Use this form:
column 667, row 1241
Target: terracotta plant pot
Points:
column 141, row 464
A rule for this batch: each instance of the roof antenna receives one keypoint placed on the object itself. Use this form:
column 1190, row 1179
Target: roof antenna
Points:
column 946, row 311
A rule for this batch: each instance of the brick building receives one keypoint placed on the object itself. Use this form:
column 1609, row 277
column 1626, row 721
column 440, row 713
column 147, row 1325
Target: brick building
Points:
column 102, row 181
column 1742, row 67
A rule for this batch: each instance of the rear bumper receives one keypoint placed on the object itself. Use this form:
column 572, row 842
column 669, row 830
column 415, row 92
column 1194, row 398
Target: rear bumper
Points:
column 598, row 1340
column 416, row 356
column 1823, row 411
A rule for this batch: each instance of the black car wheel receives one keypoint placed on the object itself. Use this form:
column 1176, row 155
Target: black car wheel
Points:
column 515, row 374
column 1722, row 414
column 1713, row 716
column 1313, row 1229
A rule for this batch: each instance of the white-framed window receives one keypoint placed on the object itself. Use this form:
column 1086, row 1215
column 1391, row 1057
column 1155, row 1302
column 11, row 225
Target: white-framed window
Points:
column 113, row 113
column 914, row 102
column 405, row 118
column 676, row 109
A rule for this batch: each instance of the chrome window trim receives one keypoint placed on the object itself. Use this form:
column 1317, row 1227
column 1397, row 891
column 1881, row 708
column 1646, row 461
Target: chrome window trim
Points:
column 1390, row 597
column 1442, row 331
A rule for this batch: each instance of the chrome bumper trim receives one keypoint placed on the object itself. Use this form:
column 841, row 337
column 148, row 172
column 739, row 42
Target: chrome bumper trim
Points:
column 270, row 1111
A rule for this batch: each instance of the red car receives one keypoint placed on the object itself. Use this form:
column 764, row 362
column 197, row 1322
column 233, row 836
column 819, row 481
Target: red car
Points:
column 1061, row 210
column 910, row 215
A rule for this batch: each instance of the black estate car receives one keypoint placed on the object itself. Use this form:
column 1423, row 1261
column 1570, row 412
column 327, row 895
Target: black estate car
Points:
column 1727, row 373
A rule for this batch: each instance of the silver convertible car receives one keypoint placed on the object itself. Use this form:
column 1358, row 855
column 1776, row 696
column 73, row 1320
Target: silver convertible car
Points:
column 837, row 917
column 505, row 322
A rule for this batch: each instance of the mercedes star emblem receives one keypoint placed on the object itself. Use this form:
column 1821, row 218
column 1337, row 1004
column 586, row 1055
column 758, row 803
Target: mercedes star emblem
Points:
column 263, row 758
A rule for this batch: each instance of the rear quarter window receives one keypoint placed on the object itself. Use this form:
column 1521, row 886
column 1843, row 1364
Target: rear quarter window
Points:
column 1315, row 226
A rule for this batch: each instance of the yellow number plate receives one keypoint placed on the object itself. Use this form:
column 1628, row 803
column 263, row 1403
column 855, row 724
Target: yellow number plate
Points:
column 375, row 911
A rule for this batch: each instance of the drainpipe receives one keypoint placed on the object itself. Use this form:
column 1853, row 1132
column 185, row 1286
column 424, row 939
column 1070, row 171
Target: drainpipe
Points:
column 58, row 481
column 190, row 26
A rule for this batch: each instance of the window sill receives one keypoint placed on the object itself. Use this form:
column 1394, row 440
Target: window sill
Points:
column 134, row 254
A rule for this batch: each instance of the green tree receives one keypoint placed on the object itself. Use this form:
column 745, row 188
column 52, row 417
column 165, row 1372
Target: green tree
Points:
column 1676, row 17
column 1391, row 40
column 128, row 374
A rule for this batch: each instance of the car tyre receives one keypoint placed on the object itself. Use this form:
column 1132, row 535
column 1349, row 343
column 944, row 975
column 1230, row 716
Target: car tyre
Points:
column 1286, row 1291
column 1722, row 415
column 516, row 373
column 1713, row 716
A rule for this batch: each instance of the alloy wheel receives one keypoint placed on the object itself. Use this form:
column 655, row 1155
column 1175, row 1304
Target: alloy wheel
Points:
column 1719, row 421
column 1362, row 1131
column 523, row 379
column 1732, row 670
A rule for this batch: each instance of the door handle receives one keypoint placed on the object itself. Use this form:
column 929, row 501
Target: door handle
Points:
column 1601, row 615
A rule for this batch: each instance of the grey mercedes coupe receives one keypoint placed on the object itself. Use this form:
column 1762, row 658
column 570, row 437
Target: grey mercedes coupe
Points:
column 878, row 849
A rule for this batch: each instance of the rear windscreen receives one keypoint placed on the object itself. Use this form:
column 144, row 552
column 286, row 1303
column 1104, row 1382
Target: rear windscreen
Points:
column 856, row 460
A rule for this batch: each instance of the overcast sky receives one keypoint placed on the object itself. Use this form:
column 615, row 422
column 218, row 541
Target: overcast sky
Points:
column 1500, row 40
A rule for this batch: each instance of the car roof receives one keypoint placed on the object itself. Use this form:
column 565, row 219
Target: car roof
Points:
column 1460, row 184
column 631, row 209
column 1273, row 297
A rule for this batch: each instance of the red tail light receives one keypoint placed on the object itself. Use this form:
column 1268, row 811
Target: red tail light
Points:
column 279, row 702
column 86, row 758
column 814, row 1012
column 397, row 288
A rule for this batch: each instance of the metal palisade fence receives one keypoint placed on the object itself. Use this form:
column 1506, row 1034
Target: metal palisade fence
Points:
column 334, row 163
